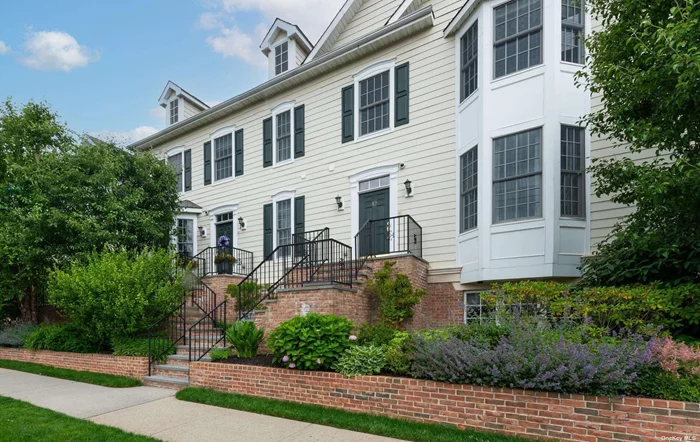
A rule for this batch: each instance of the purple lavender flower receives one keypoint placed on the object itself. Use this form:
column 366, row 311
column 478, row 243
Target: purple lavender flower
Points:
column 223, row 242
column 292, row 365
column 285, row 359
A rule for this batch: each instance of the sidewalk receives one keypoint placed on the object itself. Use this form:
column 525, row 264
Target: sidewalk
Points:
column 155, row 412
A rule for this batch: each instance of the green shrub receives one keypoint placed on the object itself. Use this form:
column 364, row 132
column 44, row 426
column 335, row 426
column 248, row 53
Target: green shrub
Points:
column 398, row 354
column 125, row 346
column 361, row 360
column 311, row 342
column 245, row 338
column 218, row 354
column 15, row 333
column 375, row 334
column 59, row 337
column 116, row 293
column 396, row 295
column 657, row 383
column 250, row 294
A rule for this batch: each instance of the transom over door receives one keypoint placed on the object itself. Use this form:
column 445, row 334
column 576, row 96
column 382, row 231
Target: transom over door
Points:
column 374, row 239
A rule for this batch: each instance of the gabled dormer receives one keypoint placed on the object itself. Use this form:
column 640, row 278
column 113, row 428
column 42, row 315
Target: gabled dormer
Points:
column 285, row 46
column 179, row 104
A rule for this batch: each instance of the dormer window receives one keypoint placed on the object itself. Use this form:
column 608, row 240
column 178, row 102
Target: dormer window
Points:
column 174, row 111
column 282, row 58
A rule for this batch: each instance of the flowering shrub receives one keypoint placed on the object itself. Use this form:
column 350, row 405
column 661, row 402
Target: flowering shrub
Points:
column 361, row 360
column 529, row 358
column 677, row 358
column 311, row 342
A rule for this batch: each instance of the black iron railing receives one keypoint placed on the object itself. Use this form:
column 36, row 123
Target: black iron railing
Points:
column 395, row 235
column 224, row 261
column 328, row 261
column 207, row 333
column 166, row 334
column 313, row 235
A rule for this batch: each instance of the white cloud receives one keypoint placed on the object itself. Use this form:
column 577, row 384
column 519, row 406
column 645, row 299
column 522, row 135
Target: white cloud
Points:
column 54, row 50
column 4, row 48
column 126, row 137
column 312, row 16
column 157, row 112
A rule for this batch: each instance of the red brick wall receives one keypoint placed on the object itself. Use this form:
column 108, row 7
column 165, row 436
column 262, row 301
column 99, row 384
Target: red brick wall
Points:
column 517, row 412
column 133, row 367
column 219, row 284
column 442, row 306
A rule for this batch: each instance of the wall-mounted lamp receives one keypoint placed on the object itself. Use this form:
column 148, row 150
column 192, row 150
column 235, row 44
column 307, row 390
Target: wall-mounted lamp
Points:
column 339, row 202
column 241, row 223
column 409, row 189
column 202, row 232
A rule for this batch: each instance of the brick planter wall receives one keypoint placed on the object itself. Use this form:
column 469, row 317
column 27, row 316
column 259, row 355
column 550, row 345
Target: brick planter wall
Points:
column 517, row 412
column 129, row 366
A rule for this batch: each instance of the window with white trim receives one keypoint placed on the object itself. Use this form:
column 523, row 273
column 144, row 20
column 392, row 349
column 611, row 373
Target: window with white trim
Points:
column 176, row 162
column 375, row 103
column 174, row 111
column 284, row 226
column 223, row 157
column 572, row 29
column 470, row 60
column 282, row 58
column 517, row 36
column 517, row 176
column 469, row 189
column 573, row 179
column 185, row 236
column 283, row 151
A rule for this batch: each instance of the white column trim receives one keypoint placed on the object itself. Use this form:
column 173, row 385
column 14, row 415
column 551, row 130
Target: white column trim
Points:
column 212, row 223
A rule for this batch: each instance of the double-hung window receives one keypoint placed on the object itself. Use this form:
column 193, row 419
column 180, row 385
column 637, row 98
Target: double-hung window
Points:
column 469, row 189
column 223, row 157
column 572, row 29
column 517, row 36
column 573, row 178
column 282, row 58
column 174, row 111
column 284, row 137
column 374, row 104
column 470, row 61
column 517, row 184
column 185, row 237
column 284, row 227
column 176, row 162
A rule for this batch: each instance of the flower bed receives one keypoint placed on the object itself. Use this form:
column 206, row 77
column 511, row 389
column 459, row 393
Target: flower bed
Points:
column 517, row 412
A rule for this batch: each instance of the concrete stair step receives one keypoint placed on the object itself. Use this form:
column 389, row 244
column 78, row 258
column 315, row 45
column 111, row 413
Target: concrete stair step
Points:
column 179, row 359
column 172, row 371
column 166, row 382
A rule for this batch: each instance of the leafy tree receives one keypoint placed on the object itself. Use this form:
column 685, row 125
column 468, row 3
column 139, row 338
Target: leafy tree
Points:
column 63, row 196
column 645, row 62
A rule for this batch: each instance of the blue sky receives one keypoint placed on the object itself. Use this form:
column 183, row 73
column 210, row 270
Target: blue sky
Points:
column 102, row 65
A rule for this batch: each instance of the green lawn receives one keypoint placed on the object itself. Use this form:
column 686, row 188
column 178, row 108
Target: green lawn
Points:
column 21, row 421
column 365, row 423
column 106, row 380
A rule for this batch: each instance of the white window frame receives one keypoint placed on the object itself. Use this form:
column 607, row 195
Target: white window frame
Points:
column 368, row 72
column 494, row 43
column 171, row 153
column 228, row 130
column 280, row 109
column 282, row 196
column 180, row 110
column 195, row 231
column 274, row 56
column 220, row 210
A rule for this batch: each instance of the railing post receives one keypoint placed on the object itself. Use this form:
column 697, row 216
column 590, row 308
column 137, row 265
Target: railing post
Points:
column 149, row 352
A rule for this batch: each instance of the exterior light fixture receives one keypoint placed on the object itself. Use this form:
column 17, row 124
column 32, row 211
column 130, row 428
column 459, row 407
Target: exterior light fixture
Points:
column 241, row 223
column 339, row 202
column 409, row 189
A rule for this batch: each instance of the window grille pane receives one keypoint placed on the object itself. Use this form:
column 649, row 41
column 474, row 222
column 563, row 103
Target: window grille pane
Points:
column 517, row 32
column 469, row 189
column 470, row 44
column 223, row 157
column 374, row 103
column 176, row 162
column 284, row 226
column 572, row 172
column 174, row 111
column 284, row 138
column 281, row 58
column 572, row 31
column 185, row 237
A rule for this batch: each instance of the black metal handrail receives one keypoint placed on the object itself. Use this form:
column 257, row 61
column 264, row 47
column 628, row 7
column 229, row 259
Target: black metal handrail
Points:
column 330, row 261
column 164, row 335
column 206, row 333
column 224, row 261
column 387, row 236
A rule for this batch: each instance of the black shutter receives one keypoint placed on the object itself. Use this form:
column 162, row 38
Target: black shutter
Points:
column 401, row 95
column 299, row 228
column 348, row 113
column 188, row 169
column 299, row 131
column 267, row 229
column 239, row 152
column 207, row 163
column 267, row 142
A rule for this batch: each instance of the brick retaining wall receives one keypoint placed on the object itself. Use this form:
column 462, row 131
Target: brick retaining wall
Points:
column 517, row 412
column 129, row 366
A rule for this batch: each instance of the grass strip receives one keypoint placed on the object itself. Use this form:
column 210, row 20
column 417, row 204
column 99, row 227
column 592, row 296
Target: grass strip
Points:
column 105, row 380
column 26, row 422
column 365, row 423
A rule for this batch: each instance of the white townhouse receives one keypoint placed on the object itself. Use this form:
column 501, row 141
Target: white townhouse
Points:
column 443, row 129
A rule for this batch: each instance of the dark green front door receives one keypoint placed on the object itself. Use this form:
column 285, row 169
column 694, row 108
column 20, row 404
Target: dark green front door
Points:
column 224, row 267
column 374, row 239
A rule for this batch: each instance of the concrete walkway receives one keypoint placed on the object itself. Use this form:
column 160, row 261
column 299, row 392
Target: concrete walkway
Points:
column 155, row 412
